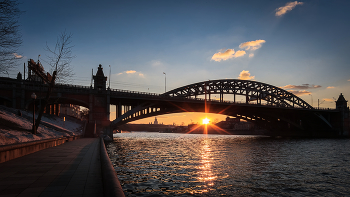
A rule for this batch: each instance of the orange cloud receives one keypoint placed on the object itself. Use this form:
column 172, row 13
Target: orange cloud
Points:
column 330, row 87
column 17, row 56
column 251, row 55
column 252, row 45
column 328, row 100
column 239, row 53
column 299, row 92
column 303, row 86
column 130, row 71
column 288, row 7
column 245, row 75
column 228, row 54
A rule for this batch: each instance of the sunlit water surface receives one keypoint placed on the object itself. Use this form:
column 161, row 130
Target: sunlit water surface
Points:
column 164, row 164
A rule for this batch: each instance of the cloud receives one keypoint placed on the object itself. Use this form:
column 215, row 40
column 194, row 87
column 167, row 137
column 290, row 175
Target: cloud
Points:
column 299, row 92
column 303, row 86
column 17, row 56
column 288, row 7
column 328, row 100
column 330, row 87
column 348, row 79
column 252, row 45
column 228, row 54
column 251, row 55
column 245, row 75
column 156, row 63
column 239, row 53
column 130, row 71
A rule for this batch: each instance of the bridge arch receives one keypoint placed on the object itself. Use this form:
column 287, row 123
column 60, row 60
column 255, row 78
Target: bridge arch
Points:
column 279, row 108
column 252, row 90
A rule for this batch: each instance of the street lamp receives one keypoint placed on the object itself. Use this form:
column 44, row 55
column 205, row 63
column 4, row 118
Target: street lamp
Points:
column 34, row 128
column 165, row 80
column 312, row 100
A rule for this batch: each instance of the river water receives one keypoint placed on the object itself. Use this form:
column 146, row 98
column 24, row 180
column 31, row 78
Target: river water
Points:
column 169, row 164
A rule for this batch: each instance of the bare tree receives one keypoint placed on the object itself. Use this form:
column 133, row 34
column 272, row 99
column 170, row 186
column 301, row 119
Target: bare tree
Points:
column 60, row 58
column 59, row 61
column 10, row 37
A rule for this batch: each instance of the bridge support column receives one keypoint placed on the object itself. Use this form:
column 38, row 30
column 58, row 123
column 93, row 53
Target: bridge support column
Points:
column 108, row 105
column 14, row 96
column 119, row 109
column 91, row 107
column 22, row 96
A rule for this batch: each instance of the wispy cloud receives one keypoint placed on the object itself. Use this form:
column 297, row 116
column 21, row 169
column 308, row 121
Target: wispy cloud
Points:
column 348, row 79
column 231, row 53
column 252, row 45
column 288, row 7
column 245, row 75
column 299, row 92
column 330, row 87
column 17, row 56
column 156, row 63
column 239, row 53
column 131, row 72
column 228, row 54
column 328, row 100
column 303, row 86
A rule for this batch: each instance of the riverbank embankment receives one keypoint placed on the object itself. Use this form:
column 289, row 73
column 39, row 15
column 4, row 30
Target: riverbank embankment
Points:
column 77, row 168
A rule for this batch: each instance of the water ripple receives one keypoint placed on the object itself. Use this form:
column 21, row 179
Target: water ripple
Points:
column 162, row 164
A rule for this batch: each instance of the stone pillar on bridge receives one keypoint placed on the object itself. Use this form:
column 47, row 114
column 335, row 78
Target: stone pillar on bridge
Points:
column 99, row 104
column 342, row 106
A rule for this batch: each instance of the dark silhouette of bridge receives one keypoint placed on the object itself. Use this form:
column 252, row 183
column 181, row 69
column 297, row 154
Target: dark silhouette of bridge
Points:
column 278, row 111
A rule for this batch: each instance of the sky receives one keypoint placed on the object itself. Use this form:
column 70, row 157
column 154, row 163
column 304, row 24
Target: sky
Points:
column 300, row 46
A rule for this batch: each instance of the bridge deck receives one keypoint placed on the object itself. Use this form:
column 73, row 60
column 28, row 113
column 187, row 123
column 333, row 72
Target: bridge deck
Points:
column 71, row 169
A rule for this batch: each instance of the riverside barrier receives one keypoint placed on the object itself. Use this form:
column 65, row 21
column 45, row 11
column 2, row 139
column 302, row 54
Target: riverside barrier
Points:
column 13, row 151
column 111, row 184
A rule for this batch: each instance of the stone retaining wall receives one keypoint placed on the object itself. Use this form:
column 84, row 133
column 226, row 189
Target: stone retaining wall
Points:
column 13, row 151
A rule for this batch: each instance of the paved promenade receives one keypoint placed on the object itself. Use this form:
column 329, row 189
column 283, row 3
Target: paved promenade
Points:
column 71, row 169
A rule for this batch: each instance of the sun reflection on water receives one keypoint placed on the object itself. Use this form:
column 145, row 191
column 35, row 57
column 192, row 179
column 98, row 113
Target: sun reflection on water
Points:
column 206, row 174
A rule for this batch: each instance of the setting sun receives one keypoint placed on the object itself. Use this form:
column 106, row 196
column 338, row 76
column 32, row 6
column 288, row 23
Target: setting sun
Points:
column 205, row 121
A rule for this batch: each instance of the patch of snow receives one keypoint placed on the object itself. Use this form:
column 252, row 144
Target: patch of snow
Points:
column 52, row 127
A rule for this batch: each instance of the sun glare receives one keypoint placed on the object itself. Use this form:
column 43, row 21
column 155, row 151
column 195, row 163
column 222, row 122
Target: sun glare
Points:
column 205, row 121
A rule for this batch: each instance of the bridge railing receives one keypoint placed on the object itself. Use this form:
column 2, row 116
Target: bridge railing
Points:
column 9, row 83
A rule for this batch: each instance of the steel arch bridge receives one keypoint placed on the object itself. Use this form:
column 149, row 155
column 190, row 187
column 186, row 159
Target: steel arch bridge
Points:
column 252, row 90
column 264, row 104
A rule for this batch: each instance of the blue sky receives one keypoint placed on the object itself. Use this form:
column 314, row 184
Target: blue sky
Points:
column 305, row 49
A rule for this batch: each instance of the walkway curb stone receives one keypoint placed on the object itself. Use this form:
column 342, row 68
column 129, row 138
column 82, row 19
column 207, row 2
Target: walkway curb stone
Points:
column 111, row 184
column 71, row 169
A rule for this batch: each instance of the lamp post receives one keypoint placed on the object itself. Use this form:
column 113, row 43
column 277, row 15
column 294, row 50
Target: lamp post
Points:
column 312, row 100
column 109, row 84
column 165, row 80
column 34, row 128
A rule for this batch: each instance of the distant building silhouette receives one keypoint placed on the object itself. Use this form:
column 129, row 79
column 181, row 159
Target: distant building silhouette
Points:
column 155, row 120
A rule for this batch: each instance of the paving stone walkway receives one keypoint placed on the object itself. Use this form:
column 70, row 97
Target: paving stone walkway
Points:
column 71, row 169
